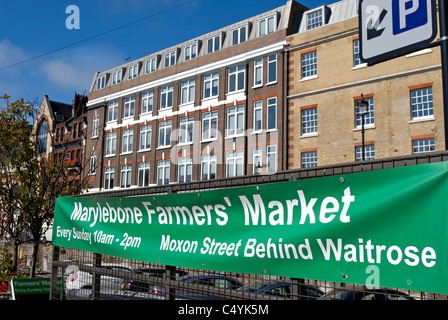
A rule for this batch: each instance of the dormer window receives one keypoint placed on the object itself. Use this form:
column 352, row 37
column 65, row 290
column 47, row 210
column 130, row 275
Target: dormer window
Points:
column 116, row 77
column 101, row 83
column 315, row 19
column 151, row 65
column 266, row 26
column 170, row 59
column 214, row 44
column 191, row 51
column 239, row 35
column 132, row 72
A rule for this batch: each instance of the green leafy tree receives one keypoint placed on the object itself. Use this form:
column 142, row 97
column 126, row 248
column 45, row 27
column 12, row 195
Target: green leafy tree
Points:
column 30, row 183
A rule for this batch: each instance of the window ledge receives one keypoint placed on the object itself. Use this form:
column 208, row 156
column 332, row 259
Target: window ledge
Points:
column 308, row 78
column 422, row 119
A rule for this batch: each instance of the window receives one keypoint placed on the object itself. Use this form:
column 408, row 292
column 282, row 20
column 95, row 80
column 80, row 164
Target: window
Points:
column 101, row 83
column 356, row 53
column 272, row 158
column 109, row 177
column 309, row 121
column 369, row 118
column 309, row 159
column 369, row 153
column 191, row 52
column 422, row 103
column 187, row 91
column 423, row 145
column 132, row 72
column 185, row 169
column 166, row 97
column 145, row 137
column 239, row 35
column 235, row 163
column 258, row 116
column 93, row 159
column 147, row 101
column 235, row 121
column 163, row 172
column 128, row 137
column 116, row 77
column 129, row 107
column 111, row 140
column 151, row 65
column 258, row 72
column 211, row 84
column 272, row 114
column 257, row 162
column 210, row 125
column 266, row 26
column 170, row 59
column 213, row 44
column 272, row 68
column 309, row 64
column 314, row 19
column 95, row 126
column 42, row 136
column 165, row 134
column 112, row 112
column 126, row 171
column 143, row 174
column 208, row 166
column 237, row 77
column 186, row 130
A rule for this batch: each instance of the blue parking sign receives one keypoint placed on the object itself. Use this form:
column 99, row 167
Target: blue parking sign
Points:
column 391, row 28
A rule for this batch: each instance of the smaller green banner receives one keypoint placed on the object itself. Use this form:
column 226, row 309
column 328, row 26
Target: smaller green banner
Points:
column 30, row 286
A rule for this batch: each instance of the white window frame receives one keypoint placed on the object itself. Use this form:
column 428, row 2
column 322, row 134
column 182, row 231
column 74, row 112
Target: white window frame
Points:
column 208, row 161
column 133, row 72
column 129, row 107
column 309, row 121
column 271, row 112
column 369, row 152
column 272, row 69
column 238, row 73
column 116, row 77
column 422, row 103
column 215, row 44
column 234, row 116
column 166, row 97
column 314, row 21
column 163, row 172
column 257, row 158
column 109, row 178
column 210, row 126
column 169, row 59
column 238, row 33
column 264, row 25
column 101, row 83
column 144, row 170
column 111, row 143
column 93, row 161
column 191, row 52
column 187, row 91
column 151, row 65
column 147, row 102
column 211, row 80
column 423, row 145
column 165, row 129
column 271, row 156
column 186, row 130
column 309, row 159
column 95, row 126
column 309, row 65
column 258, row 120
column 258, row 72
column 127, row 141
column 145, row 137
column 235, row 160
column 112, row 111
column 185, row 169
column 125, row 176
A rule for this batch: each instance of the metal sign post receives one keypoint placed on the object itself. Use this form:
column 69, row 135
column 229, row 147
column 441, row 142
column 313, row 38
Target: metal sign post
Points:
column 443, row 17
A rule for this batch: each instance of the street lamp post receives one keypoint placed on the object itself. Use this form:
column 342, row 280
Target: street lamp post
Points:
column 361, row 109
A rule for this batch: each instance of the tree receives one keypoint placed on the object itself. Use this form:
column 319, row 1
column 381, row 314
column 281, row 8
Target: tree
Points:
column 30, row 182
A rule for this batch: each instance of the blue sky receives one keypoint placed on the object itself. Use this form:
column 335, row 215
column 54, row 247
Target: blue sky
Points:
column 29, row 29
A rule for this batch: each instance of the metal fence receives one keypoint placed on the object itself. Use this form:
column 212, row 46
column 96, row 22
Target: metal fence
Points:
column 81, row 275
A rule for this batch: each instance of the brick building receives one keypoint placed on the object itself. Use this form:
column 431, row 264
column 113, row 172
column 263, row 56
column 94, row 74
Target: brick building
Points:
column 211, row 107
column 326, row 78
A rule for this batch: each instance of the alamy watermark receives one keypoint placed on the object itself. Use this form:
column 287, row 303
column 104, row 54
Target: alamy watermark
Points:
column 73, row 20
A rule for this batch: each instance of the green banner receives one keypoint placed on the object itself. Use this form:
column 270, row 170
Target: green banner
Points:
column 383, row 228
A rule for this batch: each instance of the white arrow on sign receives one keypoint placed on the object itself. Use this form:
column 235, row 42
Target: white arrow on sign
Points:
column 390, row 28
